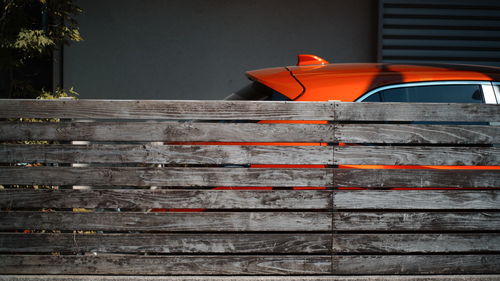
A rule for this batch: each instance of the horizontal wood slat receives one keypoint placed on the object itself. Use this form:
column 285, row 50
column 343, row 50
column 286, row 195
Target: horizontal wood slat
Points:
column 393, row 178
column 416, row 243
column 183, row 199
column 416, row 199
column 166, row 265
column 199, row 221
column 251, row 243
column 416, row 221
column 416, row 264
column 185, row 177
column 386, row 111
column 421, row 134
column 414, row 155
column 167, row 154
column 292, row 243
column 244, row 265
column 246, row 110
column 461, row 277
column 326, row 177
column 166, row 109
column 166, row 132
column 253, row 221
column 252, row 199
column 249, row 132
column 234, row 154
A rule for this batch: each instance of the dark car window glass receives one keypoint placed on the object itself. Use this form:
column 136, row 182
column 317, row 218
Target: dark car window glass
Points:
column 434, row 93
column 373, row 98
column 257, row 91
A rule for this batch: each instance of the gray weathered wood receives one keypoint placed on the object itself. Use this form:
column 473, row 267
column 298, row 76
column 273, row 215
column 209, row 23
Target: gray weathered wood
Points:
column 246, row 110
column 165, row 131
column 416, row 264
column 416, row 199
column 161, row 198
column 141, row 176
column 246, row 265
column 414, row 155
column 403, row 133
column 416, row 221
column 374, row 178
column 166, row 109
column 197, row 221
column 310, row 243
column 347, row 111
column 461, row 277
column 416, row 243
column 167, row 265
column 167, row 154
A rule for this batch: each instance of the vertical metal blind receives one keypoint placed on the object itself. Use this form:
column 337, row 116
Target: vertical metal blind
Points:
column 439, row 31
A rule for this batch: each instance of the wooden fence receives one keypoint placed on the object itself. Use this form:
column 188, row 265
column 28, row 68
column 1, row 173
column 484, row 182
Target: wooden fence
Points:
column 327, row 221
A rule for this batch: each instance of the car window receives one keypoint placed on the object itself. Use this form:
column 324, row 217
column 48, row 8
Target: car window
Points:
column 432, row 93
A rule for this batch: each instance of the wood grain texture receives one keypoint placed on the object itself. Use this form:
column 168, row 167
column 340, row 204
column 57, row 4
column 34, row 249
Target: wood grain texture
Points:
column 251, row 265
column 417, row 199
column 374, row 178
column 416, row 264
column 166, row 109
column 416, row 221
column 161, row 198
column 433, row 277
column 167, row 154
column 172, row 222
column 414, row 155
column 416, row 243
column 348, row 111
column 141, row 176
column 247, row 110
column 291, row 243
column 165, row 131
column 423, row 134
column 165, row 265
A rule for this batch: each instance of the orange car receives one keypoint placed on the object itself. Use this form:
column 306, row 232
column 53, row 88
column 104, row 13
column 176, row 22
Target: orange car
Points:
column 315, row 79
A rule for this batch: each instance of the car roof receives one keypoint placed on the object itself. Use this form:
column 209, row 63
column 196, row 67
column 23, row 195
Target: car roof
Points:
column 347, row 82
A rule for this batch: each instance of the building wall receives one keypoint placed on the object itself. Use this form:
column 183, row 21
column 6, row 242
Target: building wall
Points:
column 198, row 49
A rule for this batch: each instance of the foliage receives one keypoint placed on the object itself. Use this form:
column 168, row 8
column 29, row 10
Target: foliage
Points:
column 30, row 30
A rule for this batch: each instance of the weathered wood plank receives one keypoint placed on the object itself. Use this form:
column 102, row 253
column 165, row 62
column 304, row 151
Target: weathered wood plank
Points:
column 348, row 111
column 246, row 265
column 416, row 221
column 247, row 110
column 310, row 243
column 416, row 243
column 374, row 178
column 417, row 199
column 167, row 154
column 198, row 221
column 166, row 109
column 403, row 133
column 161, row 198
column 416, row 264
column 166, row 131
column 142, row 176
column 157, row 265
column 461, row 277
column 414, row 155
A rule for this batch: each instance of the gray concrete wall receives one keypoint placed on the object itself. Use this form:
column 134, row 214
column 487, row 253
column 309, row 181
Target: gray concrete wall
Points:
column 199, row 49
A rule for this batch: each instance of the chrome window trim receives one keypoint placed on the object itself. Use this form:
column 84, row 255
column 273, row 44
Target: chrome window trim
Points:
column 496, row 89
column 489, row 94
column 429, row 83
